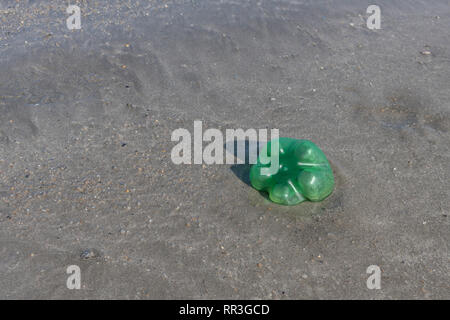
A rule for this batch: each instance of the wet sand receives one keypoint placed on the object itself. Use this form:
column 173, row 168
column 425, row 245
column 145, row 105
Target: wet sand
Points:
column 86, row 118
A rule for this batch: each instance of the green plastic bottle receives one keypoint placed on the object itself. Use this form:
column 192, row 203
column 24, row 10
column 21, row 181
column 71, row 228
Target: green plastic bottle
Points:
column 304, row 172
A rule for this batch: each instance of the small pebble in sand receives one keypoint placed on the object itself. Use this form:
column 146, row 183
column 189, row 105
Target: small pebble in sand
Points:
column 89, row 254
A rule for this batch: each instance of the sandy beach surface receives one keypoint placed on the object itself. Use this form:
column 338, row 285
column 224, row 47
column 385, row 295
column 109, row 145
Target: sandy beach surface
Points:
column 86, row 176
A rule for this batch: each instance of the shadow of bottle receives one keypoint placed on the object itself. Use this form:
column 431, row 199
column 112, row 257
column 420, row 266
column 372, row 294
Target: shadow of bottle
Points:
column 242, row 171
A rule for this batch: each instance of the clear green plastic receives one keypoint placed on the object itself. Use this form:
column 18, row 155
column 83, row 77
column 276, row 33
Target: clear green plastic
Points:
column 304, row 173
